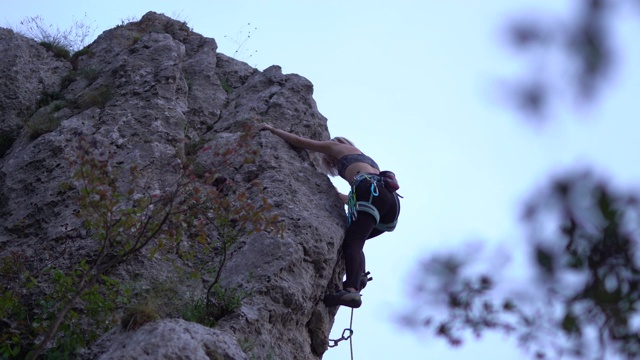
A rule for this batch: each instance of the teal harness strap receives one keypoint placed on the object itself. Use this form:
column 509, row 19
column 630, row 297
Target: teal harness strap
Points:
column 354, row 206
column 387, row 227
column 392, row 225
column 368, row 208
column 374, row 190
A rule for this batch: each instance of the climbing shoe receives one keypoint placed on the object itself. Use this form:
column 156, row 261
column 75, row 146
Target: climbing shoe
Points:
column 343, row 297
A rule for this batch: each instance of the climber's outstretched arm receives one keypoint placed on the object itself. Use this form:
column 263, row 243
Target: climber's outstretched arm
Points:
column 327, row 147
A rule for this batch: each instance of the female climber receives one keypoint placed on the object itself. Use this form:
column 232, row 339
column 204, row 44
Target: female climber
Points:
column 373, row 204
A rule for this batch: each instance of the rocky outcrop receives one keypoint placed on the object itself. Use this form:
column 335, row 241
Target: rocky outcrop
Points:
column 170, row 339
column 28, row 73
column 143, row 93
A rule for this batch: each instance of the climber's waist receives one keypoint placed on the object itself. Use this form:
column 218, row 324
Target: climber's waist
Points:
column 386, row 178
column 369, row 176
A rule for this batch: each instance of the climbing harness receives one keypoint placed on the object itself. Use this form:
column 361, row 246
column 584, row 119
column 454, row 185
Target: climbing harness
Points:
column 353, row 206
column 346, row 335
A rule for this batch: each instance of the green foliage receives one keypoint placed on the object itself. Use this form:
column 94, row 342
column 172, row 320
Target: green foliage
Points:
column 191, row 149
column 8, row 303
column 9, row 348
column 85, row 51
column 90, row 73
column 57, row 106
column 82, row 52
column 589, row 59
column 138, row 315
column 589, row 279
column 194, row 217
column 122, row 223
column 226, row 86
column 161, row 298
column 246, row 345
column 120, row 230
column 68, row 79
column 134, row 39
column 48, row 97
column 199, row 170
column 41, row 123
column 98, row 97
column 234, row 214
column 58, row 51
column 11, row 308
column 224, row 301
column 98, row 303
column 208, row 311
column 196, row 311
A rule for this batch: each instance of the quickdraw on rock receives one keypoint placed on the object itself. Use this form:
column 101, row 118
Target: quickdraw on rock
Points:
column 346, row 331
column 346, row 335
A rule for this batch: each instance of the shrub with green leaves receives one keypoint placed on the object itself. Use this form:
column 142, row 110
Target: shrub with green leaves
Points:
column 90, row 73
column 218, row 303
column 138, row 315
column 97, row 97
column 226, row 86
column 236, row 213
column 123, row 216
column 68, row 79
column 196, row 311
column 41, row 123
column 58, row 51
column 82, row 324
column 48, row 97
column 85, row 51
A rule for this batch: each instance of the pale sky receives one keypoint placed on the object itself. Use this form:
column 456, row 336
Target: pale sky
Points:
column 413, row 84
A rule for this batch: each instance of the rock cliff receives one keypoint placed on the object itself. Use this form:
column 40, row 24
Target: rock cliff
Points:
column 157, row 95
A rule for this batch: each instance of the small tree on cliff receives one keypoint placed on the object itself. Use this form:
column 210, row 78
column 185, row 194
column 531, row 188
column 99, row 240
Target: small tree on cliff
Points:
column 125, row 216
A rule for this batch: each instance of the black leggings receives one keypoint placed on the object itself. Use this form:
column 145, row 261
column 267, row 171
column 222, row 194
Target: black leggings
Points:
column 363, row 228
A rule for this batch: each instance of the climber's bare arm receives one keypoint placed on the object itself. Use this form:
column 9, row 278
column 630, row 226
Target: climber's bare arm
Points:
column 327, row 147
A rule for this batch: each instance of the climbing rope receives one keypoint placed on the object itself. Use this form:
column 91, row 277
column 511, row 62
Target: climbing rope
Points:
column 351, row 338
column 346, row 335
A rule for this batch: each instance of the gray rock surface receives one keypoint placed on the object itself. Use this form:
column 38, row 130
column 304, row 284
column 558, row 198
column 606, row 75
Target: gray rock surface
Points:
column 170, row 339
column 26, row 73
column 141, row 91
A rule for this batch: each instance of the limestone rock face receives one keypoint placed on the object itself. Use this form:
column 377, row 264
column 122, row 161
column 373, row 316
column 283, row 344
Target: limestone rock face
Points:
column 140, row 92
column 27, row 72
column 170, row 339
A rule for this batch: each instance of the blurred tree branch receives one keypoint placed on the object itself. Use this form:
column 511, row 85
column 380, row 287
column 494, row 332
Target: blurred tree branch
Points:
column 571, row 57
column 585, row 298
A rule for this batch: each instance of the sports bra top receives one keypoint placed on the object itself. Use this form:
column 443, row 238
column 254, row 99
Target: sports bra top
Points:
column 347, row 160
